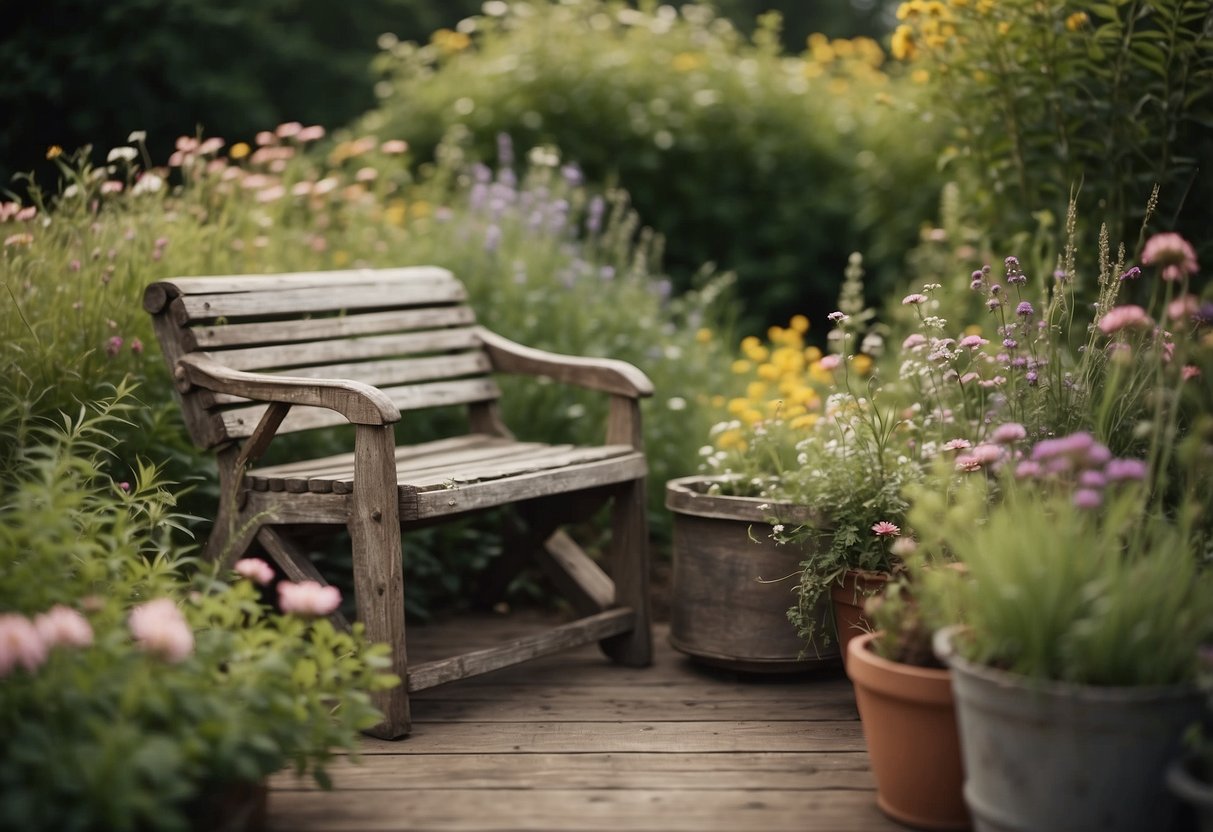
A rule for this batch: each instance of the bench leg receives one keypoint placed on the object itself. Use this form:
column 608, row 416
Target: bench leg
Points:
column 233, row 531
column 629, row 561
column 378, row 569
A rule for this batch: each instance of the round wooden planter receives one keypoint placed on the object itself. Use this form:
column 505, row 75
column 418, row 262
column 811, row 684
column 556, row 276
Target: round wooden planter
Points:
column 909, row 724
column 848, row 599
column 732, row 590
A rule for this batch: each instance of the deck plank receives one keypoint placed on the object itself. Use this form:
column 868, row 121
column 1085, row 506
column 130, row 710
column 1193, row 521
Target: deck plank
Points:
column 574, row 742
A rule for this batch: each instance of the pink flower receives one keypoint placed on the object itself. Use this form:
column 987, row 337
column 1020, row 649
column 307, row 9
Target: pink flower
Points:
column 288, row 129
column 913, row 300
column 1184, row 306
column 308, row 598
column 957, row 445
column 913, row 341
column 63, row 625
column 136, row 346
column 159, row 628
column 27, row 213
column 885, row 529
column 1189, row 372
column 903, row 547
column 1087, row 498
column 973, row 342
column 20, row 644
column 111, row 186
column 1173, row 253
column 255, row 569
column 1129, row 316
column 113, row 346
column 1007, row 433
column 394, row 147
column 311, row 134
column 830, row 362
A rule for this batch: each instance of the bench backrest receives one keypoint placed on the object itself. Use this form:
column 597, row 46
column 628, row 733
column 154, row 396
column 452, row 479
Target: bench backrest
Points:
column 407, row 331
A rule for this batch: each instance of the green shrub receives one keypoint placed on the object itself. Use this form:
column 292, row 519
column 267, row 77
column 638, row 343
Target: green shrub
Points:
column 129, row 682
column 1049, row 99
column 771, row 165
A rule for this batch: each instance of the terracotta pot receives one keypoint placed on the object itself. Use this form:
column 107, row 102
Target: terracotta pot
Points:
column 848, row 599
column 909, row 723
column 733, row 585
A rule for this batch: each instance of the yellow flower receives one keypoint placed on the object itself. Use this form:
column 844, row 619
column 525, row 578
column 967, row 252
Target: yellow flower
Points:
column 812, row 354
column 703, row 335
column 420, row 208
column 1076, row 21
column 395, row 212
column 737, row 406
column 768, row 372
column 1004, row 27
column 960, row 4
column 812, row 70
column 340, row 257
column 973, row 329
column 687, row 62
column 805, row 421
column 862, row 364
column 239, row 150
column 902, row 45
column 756, row 391
column 449, row 41
column 741, row 367
column 799, row 323
column 920, row 76
column 54, row 151
column 731, row 439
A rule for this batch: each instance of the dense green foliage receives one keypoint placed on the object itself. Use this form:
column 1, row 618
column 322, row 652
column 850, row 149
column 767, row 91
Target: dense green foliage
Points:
column 772, row 165
column 1049, row 99
column 110, row 724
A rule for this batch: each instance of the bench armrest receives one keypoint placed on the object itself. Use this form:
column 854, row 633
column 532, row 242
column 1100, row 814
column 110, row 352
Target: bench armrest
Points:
column 606, row 374
column 360, row 403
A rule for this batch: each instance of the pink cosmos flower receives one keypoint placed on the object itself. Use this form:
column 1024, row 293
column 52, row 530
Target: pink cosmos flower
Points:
column 885, row 529
column 1173, row 253
column 20, row 644
column 1129, row 316
column 160, row 628
column 254, row 569
column 308, row 598
column 1007, row 433
column 63, row 625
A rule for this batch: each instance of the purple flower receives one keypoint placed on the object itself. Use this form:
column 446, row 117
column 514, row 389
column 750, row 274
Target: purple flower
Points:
column 913, row 299
column 505, row 150
column 492, row 238
column 837, row 317
column 1075, row 443
column 1031, row 377
column 1060, row 275
column 1121, row 470
column 1087, row 498
column 1131, row 274
column 1028, row 470
column 1010, row 343
column 973, row 342
column 1025, row 309
column 593, row 214
column 1092, row 479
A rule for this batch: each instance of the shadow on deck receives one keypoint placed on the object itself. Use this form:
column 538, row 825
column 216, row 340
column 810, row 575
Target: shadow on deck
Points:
column 573, row 742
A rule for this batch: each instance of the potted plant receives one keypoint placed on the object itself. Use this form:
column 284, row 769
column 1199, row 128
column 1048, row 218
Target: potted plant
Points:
column 730, row 573
column 1190, row 778
column 904, row 697
column 136, row 690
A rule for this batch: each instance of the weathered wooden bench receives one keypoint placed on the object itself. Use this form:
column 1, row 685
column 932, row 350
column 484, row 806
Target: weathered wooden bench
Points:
column 255, row 356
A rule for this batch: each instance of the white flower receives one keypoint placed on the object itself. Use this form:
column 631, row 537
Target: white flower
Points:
column 149, row 183
column 137, row 136
column 122, row 154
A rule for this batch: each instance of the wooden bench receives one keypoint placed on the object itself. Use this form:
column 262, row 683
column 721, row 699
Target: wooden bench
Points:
column 255, row 356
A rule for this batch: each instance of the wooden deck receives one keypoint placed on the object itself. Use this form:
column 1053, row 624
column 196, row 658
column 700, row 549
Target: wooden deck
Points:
column 573, row 742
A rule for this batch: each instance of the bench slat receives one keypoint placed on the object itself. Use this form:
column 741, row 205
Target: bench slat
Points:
column 428, row 290
column 211, row 336
column 217, row 284
column 348, row 349
column 388, row 373
column 240, row 422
